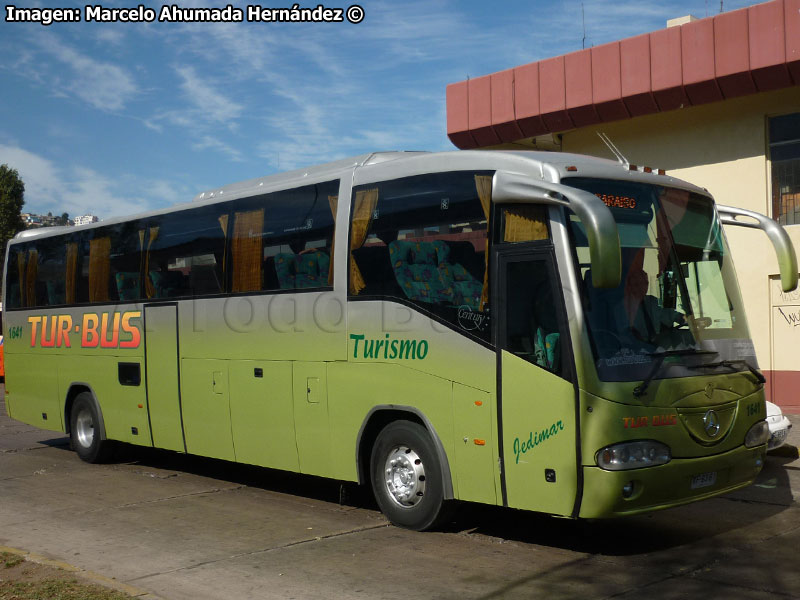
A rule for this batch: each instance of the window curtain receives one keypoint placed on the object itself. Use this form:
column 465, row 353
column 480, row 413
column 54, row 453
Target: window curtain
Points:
column 483, row 183
column 334, row 202
column 524, row 224
column 30, row 278
column 72, row 271
column 142, row 233
column 223, row 223
column 365, row 203
column 21, row 269
column 248, row 228
column 99, row 268
column 149, row 288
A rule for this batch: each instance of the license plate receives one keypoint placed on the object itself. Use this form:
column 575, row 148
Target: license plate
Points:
column 704, row 480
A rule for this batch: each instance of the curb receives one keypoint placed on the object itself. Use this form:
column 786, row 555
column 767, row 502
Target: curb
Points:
column 89, row 576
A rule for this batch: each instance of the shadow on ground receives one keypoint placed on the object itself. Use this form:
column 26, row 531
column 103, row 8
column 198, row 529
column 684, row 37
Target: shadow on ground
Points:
column 628, row 536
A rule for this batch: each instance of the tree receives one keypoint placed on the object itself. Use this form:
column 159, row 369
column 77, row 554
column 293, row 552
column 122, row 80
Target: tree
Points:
column 12, row 190
column 64, row 218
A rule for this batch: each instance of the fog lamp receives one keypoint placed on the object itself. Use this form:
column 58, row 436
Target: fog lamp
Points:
column 627, row 490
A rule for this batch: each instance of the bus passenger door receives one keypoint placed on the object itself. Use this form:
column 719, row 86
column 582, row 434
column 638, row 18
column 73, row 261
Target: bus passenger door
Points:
column 162, row 372
column 537, row 400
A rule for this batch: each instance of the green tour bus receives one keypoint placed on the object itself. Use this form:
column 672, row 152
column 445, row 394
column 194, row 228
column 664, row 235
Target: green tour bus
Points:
column 543, row 331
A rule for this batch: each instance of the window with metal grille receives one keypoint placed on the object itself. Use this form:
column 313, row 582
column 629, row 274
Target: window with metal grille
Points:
column 784, row 153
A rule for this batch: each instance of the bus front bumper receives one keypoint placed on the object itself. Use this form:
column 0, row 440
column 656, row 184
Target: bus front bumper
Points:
column 618, row 493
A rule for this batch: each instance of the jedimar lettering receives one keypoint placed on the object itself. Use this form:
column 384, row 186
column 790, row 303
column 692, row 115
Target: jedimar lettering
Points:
column 535, row 438
column 95, row 330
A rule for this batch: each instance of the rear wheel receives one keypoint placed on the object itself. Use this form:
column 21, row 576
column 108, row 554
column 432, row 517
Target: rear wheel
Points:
column 407, row 476
column 85, row 432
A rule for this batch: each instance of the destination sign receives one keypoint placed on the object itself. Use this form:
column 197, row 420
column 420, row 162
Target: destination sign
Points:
column 615, row 201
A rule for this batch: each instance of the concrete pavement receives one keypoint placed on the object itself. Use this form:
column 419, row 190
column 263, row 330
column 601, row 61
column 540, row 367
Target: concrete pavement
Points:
column 187, row 528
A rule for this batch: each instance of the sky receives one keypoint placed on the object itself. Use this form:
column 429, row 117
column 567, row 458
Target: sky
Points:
column 118, row 118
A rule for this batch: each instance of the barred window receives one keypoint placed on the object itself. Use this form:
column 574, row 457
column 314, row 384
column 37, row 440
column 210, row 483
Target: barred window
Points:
column 784, row 151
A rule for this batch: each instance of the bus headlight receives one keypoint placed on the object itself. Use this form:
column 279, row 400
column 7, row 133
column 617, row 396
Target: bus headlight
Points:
column 633, row 455
column 757, row 435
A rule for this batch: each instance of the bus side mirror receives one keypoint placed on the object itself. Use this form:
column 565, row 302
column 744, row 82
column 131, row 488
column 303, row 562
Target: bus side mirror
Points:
column 784, row 249
column 598, row 222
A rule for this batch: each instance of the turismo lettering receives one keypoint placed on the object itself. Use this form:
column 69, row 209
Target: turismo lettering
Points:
column 388, row 348
column 535, row 438
column 103, row 330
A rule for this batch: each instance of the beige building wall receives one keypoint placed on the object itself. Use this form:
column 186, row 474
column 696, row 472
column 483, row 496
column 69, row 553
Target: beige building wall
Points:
column 722, row 147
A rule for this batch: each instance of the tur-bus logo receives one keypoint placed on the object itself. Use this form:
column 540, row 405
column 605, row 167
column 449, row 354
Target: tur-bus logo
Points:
column 96, row 330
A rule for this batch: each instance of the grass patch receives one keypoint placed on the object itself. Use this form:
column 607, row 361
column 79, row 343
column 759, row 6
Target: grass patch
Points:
column 23, row 580
column 9, row 560
column 56, row 589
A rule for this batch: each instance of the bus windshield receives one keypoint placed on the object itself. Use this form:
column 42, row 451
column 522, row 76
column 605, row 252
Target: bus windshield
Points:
column 678, row 295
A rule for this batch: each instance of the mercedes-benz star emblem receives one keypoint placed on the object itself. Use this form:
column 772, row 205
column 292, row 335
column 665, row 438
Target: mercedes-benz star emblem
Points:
column 711, row 423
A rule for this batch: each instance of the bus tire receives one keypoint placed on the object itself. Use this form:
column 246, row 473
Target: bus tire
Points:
column 84, row 433
column 406, row 476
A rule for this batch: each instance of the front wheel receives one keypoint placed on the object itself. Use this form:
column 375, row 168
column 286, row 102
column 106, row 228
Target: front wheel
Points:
column 407, row 476
column 84, row 433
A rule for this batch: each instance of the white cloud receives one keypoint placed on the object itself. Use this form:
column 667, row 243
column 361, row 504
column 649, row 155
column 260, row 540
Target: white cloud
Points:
column 40, row 176
column 210, row 104
column 78, row 190
column 103, row 85
column 110, row 35
column 210, row 142
column 91, row 193
column 206, row 117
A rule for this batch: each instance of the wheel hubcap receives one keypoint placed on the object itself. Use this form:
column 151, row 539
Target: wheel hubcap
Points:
column 405, row 477
column 84, row 428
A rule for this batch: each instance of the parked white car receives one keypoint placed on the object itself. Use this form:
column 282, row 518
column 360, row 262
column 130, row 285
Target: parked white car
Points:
column 779, row 426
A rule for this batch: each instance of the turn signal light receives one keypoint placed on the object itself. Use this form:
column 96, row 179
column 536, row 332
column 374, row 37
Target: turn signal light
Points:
column 757, row 435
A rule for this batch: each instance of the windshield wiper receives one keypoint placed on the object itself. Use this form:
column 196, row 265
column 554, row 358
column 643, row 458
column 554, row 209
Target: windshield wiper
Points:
column 641, row 390
column 731, row 364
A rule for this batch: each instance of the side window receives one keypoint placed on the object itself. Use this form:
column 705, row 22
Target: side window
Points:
column 298, row 249
column 423, row 239
column 23, row 267
column 51, row 276
column 284, row 240
column 125, row 262
column 12, row 283
column 531, row 323
column 110, row 267
column 184, row 252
